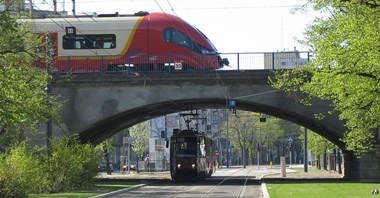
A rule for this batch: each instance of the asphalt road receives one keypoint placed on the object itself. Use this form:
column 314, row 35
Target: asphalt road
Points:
column 231, row 182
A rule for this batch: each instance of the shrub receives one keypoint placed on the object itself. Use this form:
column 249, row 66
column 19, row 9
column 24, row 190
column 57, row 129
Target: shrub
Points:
column 72, row 165
column 21, row 172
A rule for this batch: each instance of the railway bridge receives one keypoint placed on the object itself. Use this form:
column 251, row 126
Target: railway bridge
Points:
column 99, row 105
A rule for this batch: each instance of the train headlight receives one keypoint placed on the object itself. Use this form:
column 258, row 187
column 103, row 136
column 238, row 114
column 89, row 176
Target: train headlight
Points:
column 193, row 165
column 178, row 166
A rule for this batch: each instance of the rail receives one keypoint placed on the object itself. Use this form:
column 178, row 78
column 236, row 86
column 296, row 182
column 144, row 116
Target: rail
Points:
column 179, row 62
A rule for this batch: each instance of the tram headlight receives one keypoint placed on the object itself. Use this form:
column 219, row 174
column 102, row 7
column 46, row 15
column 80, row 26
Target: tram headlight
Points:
column 193, row 165
column 178, row 166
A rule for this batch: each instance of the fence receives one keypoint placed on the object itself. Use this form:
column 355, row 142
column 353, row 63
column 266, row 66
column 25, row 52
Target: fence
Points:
column 147, row 166
column 266, row 60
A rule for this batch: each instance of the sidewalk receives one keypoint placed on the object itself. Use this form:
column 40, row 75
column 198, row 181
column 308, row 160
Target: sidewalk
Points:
column 133, row 175
column 296, row 172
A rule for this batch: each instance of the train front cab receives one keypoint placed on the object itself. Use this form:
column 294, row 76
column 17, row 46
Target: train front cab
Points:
column 191, row 157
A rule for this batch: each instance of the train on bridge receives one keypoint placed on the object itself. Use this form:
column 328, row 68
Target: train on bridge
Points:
column 139, row 42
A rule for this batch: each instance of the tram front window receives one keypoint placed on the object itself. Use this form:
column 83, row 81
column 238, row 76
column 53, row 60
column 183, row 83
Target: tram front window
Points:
column 186, row 147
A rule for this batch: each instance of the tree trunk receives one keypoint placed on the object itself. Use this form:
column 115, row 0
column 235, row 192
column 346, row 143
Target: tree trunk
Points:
column 325, row 161
column 339, row 163
column 106, row 159
column 318, row 164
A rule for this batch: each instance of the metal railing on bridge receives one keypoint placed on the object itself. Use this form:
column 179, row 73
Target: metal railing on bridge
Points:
column 170, row 62
column 266, row 60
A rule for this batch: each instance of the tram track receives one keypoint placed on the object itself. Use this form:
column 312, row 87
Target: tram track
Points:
column 227, row 183
column 216, row 186
column 233, row 181
column 245, row 184
column 179, row 192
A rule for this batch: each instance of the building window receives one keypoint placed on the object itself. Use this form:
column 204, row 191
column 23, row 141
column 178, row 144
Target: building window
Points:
column 90, row 41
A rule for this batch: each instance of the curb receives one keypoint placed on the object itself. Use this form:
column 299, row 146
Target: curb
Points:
column 264, row 190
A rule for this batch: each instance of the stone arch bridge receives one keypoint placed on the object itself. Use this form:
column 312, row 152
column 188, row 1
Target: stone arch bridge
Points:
column 99, row 105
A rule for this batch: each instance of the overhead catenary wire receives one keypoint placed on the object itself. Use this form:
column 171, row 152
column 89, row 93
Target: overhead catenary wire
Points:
column 255, row 94
column 216, row 7
column 61, row 26
column 218, row 79
column 68, row 22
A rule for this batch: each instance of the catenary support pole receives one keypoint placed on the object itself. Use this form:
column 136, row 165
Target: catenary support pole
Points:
column 305, row 161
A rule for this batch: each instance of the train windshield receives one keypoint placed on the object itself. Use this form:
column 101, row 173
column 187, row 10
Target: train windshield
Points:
column 209, row 42
column 185, row 147
column 174, row 36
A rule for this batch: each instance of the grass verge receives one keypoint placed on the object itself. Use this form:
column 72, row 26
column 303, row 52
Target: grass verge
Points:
column 311, row 189
column 97, row 190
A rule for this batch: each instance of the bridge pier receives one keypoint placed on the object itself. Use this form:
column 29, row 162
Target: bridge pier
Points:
column 365, row 168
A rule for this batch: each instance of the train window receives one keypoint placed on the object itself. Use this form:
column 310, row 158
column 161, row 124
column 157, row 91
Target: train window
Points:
column 186, row 147
column 202, row 147
column 174, row 36
column 90, row 41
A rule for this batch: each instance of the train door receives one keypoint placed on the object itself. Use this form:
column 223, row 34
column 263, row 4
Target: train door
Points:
column 202, row 156
column 138, row 52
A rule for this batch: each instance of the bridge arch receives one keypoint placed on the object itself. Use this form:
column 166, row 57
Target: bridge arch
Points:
column 99, row 105
column 113, row 124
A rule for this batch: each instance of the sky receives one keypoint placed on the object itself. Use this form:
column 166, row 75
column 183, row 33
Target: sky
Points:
column 233, row 26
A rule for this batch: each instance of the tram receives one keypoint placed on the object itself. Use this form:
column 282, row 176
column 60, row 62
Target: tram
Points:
column 192, row 155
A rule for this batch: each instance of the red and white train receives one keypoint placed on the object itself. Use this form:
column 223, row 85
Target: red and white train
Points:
column 141, row 42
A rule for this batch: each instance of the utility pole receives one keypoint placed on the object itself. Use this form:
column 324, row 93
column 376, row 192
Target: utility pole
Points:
column 73, row 7
column 228, row 146
column 129, row 155
column 305, row 161
column 31, row 8
column 49, row 127
column 55, row 6
column 258, row 156
column 244, row 154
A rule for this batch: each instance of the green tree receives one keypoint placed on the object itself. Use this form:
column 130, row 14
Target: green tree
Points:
column 24, row 103
column 345, row 69
column 243, row 132
column 104, row 150
column 320, row 146
column 141, row 133
column 275, row 136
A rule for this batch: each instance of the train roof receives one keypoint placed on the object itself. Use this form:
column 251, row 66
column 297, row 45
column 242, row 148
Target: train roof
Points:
column 89, row 22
